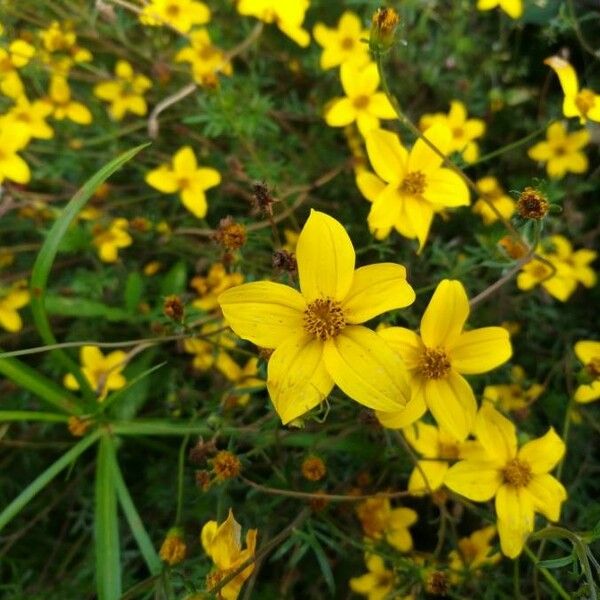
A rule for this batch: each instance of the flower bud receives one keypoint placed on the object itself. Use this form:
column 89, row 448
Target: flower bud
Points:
column 383, row 30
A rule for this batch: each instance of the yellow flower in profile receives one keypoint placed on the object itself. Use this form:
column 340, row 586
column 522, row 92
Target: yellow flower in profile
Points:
column 317, row 333
column 417, row 184
column 561, row 151
column 206, row 60
column 244, row 378
column 125, row 92
column 344, row 44
column 473, row 553
column 464, row 130
column 578, row 260
column 582, row 103
column 32, row 117
column 11, row 300
column 18, row 55
column 61, row 104
column 378, row 583
column 491, row 190
column 513, row 8
column 362, row 104
column 288, row 16
column 514, row 396
column 60, row 49
column 109, row 240
column 519, row 478
column 103, row 373
column 13, row 137
column 223, row 545
column 216, row 281
column 441, row 355
column 182, row 15
column 588, row 352
column 184, row 175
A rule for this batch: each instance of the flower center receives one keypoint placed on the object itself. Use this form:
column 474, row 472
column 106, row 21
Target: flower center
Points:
column 435, row 363
column 539, row 270
column 414, row 183
column 593, row 367
column 584, row 101
column 361, row 102
column 172, row 10
column 448, row 451
column 183, row 183
column 517, row 473
column 458, row 132
column 347, row 43
column 560, row 150
column 324, row 318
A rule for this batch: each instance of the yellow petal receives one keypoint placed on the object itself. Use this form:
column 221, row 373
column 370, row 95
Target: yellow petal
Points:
column 424, row 438
column 406, row 343
column 548, row 494
column 91, row 357
column 446, row 188
column 380, row 106
column 513, row 8
column 420, row 216
column 207, row 177
column 399, row 419
column 10, row 320
column 184, row 161
column 386, row 209
column 162, row 179
column 263, row 312
column 427, row 477
column 514, row 508
column 369, row 184
column 13, row 167
column 194, row 199
column 480, row 350
column 367, row 369
column 325, row 257
column 422, row 157
column 544, row 453
column 496, row 434
column 340, row 112
column 207, row 535
column 587, row 350
column 78, row 113
column 226, row 542
column 387, row 155
column 566, row 74
column 477, row 480
column 587, row 392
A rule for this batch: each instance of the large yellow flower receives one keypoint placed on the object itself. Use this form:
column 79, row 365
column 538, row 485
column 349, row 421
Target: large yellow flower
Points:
column 438, row 358
column 417, row 184
column 316, row 333
column 519, row 478
column 588, row 352
column 513, row 8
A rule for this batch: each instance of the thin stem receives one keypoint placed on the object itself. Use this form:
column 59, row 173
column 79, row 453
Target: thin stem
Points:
column 180, row 474
column 547, row 575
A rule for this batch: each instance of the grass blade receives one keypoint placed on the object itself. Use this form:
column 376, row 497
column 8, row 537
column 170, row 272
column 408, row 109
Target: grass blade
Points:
column 31, row 415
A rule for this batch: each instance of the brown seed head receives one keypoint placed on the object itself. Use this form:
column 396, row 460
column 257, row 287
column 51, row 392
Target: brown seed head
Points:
column 140, row 224
column 285, row 261
column 318, row 504
column 203, row 480
column 199, row 453
column 226, row 465
column 532, row 204
column 262, row 200
column 313, row 468
column 173, row 308
column 437, row 583
column 230, row 235
column 173, row 549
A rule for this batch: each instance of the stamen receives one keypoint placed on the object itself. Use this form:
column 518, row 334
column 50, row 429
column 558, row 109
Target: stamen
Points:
column 324, row 318
column 435, row 363
column 414, row 183
column 517, row 473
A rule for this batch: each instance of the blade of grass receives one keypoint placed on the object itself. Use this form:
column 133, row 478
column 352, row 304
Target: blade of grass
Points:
column 157, row 427
column 31, row 415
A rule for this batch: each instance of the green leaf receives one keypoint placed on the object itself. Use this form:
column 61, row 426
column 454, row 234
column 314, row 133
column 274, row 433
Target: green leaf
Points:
column 134, row 289
column 31, row 415
column 106, row 526
column 557, row 563
column 175, row 280
column 40, row 482
column 158, row 427
column 84, row 308
column 321, row 557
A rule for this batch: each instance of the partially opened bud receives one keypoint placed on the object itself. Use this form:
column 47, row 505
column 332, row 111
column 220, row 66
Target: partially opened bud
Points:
column 383, row 30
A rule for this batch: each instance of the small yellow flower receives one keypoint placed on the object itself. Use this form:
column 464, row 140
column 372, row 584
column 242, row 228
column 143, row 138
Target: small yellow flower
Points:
column 108, row 241
column 11, row 299
column 103, row 373
column 184, row 175
column 378, row 583
column 514, row 396
column 216, row 281
column 182, row 15
column 362, row 104
column 223, row 545
column 417, row 184
column 61, row 104
column 173, row 549
column 205, row 59
column 244, row 378
column 125, row 92
column 344, row 44
column 562, row 151
column 474, row 552
column 513, row 8
column 441, row 355
column 291, row 240
column 17, row 56
column 588, row 352
column 207, row 352
column 13, row 137
column 60, row 49
column 316, row 334
column 380, row 521
column 578, row 260
column 492, row 191
column 582, row 103
column 31, row 116
column 464, row 130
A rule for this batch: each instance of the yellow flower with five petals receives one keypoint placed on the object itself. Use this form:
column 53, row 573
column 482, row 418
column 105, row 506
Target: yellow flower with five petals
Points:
column 205, row 58
column 32, row 117
column 109, row 240
column 588, row 352
column 378, row 583
column 181, row 15
column 15, row 57
column 490, row 190
column 62, row 105
column 473, row 553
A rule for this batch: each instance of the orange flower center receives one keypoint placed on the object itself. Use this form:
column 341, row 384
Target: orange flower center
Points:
column 324, row 318
column 347, row 43
column 172, row 10
column 414, row 183
column 593, row 367
column 540, row 270
column 361, row 102
column 458, row 132
column 517, row 473
column 448, row 451
column 434, row 364
column 183, row 183
column 584, row 101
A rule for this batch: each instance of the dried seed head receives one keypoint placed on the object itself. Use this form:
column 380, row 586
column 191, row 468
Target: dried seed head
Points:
column 437, row 583
column 313, row 468
column 77, row 426
column 230, row 235
column 513, row 247
column 262, row 199
column 173, row 308
column 226, row 465
column 285, row 261
column 532, row 204
column 201, row 451
column 173, row 549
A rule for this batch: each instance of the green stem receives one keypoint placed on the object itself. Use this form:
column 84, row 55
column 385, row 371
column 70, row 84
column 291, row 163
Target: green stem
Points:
column 547, row 575
column 180, row 470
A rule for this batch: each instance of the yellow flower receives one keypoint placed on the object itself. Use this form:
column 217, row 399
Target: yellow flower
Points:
column 417, row 184
column 13, row 137
column 582, row 103
column 223, row 545
column 103, row 373
column 17, row 56
column 291, row 240
column 519, row 478
column 206, row 351
column 108, row 241
column 125, row 92
column 362, row 104
column 11, row 299
column 588, row 352
column 578, row 260
column 316, row 334
column 473, row 553
column 379, row 520
column 562, row 151
column 179, row 14
column 205, row 59
column 370, row 186
column 378, row 583
column 288, row 16
column 513, row 396
column 513, row 8
column 492, row 191
column 31, row 116
column 344, row 44
column 438, row 358
column 184, row 175
column 244, row 377
column 60, row 49
column 464, row 130
column 61, row 104
column 210, row 287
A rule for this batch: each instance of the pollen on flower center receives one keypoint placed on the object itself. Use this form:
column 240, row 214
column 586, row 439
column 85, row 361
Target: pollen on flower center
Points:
column 517, row 473
column 324, row 318
column 448, row 451
column 414, row 183
column 584, row 101
column 458, row 132
column 593, row 367
column 172, row 10
column 435, row 363
column 183, row 182
column 361, row 102
column 347, row 43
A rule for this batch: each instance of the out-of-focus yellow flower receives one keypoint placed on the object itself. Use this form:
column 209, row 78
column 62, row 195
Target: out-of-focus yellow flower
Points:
column 346, row 43
column 19, row 53
column 7, row 258
column 378, row 583
column 362, row 104
column 464, row 130
column 13, row 137
column 288, row 16
column 206, row 351
column 562, row 151
column 474, row 552
column 62, row 106
column 513, row 396
column 243, row 377
column 291, row 240
column 216, row 281
column 492, row 191
column 60, row 49
column 513, row 8
column 206, row 60
column 182, row 15
column 223, row 545
column 103, row 373
column 11, row 300
column 173, row 548
column 152, row 268
column 110, row 240
column 124, row 93
column 588, row 352
column 582, row 103
column 578, row 260
column 31, row 116
column 184, row 175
